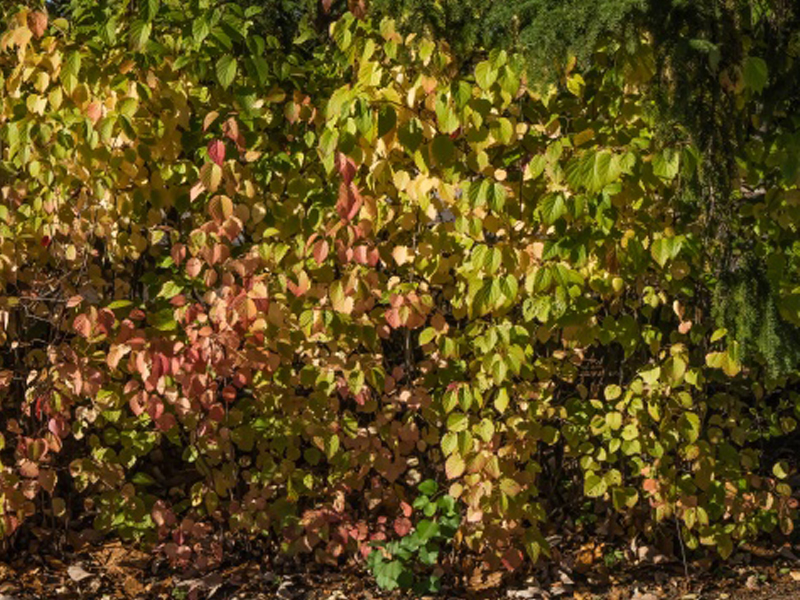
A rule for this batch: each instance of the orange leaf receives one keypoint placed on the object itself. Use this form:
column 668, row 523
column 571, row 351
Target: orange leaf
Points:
column 320, row 251
column 37, row 23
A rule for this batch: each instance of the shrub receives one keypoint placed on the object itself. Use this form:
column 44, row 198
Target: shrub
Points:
column 252, row 289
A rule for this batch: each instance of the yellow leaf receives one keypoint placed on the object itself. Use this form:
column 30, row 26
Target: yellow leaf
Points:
column 401, row 255
column 454, row 467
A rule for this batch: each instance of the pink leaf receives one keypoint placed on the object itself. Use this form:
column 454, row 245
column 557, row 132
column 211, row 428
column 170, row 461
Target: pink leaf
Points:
column 82, row 325
column 216, row 151
column 402, row 526
column 74, row 301
column 197, row 189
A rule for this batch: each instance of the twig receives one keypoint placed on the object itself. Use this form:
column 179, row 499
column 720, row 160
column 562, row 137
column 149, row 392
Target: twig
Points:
column 683, row 549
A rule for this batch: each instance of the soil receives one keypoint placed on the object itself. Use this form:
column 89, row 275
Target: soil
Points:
column 115, row 572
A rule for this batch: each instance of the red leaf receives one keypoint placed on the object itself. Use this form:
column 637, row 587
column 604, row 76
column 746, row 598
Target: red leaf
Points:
column 402, row 526
column 231, row 131
column 512, row 559
column 358, row 8
column 166, row 422
column 178, row 253
column 82, row 325
column 217, row 413
column 346, row 167
column 349, row 202
column 302, row 286
column 216, row 151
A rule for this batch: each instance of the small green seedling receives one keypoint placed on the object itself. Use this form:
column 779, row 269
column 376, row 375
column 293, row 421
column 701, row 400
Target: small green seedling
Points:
column 409, row 562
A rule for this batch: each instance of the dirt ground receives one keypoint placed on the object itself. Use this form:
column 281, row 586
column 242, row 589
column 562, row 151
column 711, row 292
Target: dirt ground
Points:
column 115, row 572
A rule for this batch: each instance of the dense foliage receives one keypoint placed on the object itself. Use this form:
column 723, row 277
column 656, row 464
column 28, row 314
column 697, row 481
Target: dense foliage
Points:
column 270, row 288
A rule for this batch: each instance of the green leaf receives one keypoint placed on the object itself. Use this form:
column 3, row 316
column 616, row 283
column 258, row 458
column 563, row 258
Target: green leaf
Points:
column 663, row 249
column 427, row 335
column 510, row 288
column 163, row 320
column 501, row 401
column 387, row 574
column 429, row 556
column 387, row 120
column 169, row 290
column 614, row 420
column 72, row 65
column 428, row 487
column 142, row 479
column 200, row 29
column 756, row 73
column 151, row 9
column 457, row 422
column 140, row 34
column 667, row 163
column 486, row 430
column 449, row 443
column 689, row 425
column 781, row 469
column 594, row 486
column 443, row 149
column 449, row 400
column 226, row 70
column 594, row 170
column 485, row 74
column 410, row 135
column 446, row 116
column 427, row 529
column 552, row 207
column 488, row 296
